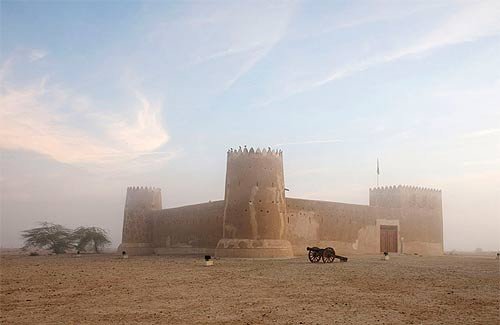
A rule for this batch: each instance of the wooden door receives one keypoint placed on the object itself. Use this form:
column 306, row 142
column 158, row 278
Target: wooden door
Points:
column 389, row 239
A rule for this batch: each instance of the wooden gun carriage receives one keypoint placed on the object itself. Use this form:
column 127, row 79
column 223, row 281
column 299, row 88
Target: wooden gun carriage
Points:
column 326, row 254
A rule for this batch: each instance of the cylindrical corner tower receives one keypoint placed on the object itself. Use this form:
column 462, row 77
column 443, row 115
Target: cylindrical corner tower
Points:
column 255, row 207
column 137, row 227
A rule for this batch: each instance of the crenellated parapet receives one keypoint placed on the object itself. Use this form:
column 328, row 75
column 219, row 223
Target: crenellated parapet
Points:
column 249, row 167
column 403, row 187
column 405, row 196
column 143, row 188
column 255, row 208
column 258, row 151
column 256, row 220
column 136, row 235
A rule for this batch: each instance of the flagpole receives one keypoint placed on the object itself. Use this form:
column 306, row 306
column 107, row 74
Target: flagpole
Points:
column 378, row 171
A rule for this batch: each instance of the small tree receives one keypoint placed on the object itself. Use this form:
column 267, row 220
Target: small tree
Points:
column 90, row 237
column 50, row 236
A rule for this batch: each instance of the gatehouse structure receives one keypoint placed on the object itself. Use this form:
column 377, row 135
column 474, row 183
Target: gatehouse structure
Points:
column 255, row 219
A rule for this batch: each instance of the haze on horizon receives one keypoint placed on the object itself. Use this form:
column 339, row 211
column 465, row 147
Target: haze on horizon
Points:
column 95, row 97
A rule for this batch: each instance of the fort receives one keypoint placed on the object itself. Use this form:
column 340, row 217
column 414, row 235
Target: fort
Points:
column 255, row 219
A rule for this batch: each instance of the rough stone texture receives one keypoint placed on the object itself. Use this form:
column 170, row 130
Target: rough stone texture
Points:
column 255, row 206
column 254, row 248
column 137, row 226
column 255, row 196
column 349, row 228
column 421, row 216
column 256, row 220
column 187, row 229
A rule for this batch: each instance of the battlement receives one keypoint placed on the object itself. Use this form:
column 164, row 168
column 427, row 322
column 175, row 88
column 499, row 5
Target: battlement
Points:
column 253, row 221
column 143, row 189
column 406, row 188
column 234, row 153
column 405, row 196
column 143, row 197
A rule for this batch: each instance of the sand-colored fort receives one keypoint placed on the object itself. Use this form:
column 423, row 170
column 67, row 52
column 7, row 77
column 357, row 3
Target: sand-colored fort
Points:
column 255, row 219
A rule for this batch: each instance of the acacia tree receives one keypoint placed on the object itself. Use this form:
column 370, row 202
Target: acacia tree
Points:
column 90, row 237
column 50, row 236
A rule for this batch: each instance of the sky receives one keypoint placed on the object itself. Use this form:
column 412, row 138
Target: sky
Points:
column 96, row 96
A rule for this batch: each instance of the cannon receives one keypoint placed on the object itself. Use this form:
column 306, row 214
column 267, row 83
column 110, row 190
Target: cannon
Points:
column 326, row 254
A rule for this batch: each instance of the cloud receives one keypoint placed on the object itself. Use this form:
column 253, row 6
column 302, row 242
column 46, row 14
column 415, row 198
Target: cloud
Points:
column 359, row 14
column 230, row 52
column 144, row 132
column 37, row 54
column 247, row 66
column 271, row 31
column 472, row 21
column 54, row 121
column 232, row 37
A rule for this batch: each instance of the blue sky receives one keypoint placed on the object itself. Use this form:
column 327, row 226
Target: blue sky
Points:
column 97, row 96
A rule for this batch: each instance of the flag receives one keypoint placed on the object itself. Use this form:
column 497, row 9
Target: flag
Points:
column 378, row 169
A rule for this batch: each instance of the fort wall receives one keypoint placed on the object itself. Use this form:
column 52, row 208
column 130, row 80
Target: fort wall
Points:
column 350, row 228
column 256, row 220
column 421, row 216
column 192, row 229
column 137, row 225
column 254, row 213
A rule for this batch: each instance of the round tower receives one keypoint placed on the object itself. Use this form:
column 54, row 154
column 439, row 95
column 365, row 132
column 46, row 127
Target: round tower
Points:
column 255, row 207
column 137, row 226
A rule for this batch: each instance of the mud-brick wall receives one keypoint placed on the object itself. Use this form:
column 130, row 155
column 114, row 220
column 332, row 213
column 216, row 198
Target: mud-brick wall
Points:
column 140, row 201
column 421, row 221
column 422, row 231
column 255, row 195
column 349, row 228
column 195, row 226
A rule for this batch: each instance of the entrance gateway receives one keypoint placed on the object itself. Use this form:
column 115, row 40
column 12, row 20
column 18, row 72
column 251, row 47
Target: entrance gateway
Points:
column 389, row 239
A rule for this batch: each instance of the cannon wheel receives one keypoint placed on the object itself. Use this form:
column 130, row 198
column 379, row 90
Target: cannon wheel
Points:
column 314, row 255
column 328, row 255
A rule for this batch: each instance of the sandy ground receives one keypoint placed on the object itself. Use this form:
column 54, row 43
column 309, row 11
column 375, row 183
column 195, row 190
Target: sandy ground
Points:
column 166, row 290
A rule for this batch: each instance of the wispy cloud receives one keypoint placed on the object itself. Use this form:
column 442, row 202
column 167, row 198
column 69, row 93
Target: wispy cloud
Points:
column 472, row 21
column 142, row 132
column 272, row 35
column 475, row 20
column 237, row 36
column 37, row 54
column 359, row 14
column 40, row 117
column 230, row 52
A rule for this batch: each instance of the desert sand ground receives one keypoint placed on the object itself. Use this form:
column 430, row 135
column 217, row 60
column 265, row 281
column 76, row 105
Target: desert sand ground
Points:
column 178, row 290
